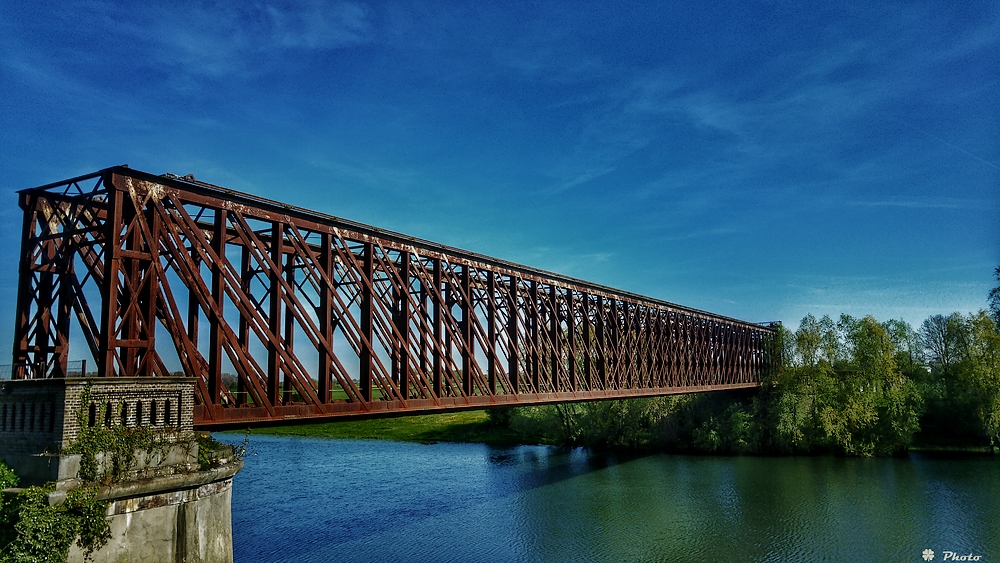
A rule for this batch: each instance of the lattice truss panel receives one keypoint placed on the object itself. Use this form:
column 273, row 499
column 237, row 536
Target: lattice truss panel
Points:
column 279, row 312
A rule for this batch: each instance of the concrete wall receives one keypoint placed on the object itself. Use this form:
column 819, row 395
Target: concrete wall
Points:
column 192, row 525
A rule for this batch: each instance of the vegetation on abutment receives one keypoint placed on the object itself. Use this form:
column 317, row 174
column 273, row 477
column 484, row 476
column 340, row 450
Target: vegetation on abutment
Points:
column 853, row 386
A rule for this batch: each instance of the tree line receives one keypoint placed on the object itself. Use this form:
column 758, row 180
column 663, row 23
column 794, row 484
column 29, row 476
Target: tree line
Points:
column 853, row 386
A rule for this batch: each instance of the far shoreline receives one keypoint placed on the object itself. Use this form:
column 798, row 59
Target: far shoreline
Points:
column 474, row 427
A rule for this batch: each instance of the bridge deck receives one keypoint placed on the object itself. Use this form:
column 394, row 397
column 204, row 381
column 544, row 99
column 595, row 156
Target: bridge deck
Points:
column 282, row 313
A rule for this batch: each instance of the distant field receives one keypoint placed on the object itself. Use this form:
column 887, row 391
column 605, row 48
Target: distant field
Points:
column 466, row 426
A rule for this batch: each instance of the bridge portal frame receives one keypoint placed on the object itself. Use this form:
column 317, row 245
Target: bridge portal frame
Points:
column 322, row 317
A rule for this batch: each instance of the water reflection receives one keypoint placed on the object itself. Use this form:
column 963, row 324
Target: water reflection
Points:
column 340, row 500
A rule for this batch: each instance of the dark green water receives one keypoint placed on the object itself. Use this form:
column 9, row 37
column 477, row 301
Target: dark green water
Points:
column 346, row 500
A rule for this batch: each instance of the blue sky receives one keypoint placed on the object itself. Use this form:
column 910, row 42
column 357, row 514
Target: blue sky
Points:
column 761, row 160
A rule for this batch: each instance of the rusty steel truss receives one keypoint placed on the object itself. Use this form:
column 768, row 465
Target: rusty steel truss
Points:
column 282, row 313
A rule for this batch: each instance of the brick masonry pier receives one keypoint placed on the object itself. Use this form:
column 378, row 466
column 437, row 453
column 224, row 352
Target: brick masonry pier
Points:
column 165, row 508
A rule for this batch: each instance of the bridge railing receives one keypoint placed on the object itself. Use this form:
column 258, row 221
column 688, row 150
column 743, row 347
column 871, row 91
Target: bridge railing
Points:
column 317, row 316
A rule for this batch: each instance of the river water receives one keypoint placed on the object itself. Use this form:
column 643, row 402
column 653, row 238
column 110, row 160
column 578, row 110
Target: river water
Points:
column 306, row 499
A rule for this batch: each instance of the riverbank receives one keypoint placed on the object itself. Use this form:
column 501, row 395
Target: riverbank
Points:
column 477, row 427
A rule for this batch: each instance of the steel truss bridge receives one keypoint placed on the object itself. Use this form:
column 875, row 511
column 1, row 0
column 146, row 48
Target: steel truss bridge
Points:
column 321, row 317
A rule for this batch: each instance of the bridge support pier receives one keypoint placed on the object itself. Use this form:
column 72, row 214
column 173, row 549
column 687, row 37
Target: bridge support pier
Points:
column 164, row 505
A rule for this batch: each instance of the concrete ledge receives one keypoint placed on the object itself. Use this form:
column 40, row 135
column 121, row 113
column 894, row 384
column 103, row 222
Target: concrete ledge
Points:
column 177, row 481
column 145, row 487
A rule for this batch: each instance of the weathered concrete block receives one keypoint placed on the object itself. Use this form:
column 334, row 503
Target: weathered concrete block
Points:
column 177, row 518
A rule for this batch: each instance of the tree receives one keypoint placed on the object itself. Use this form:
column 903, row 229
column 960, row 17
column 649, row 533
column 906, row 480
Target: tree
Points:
column 909, row 348
column 980, row 374
column 808, row 340
column 873, row 409
column 832, row 347
column 943, row 339
column 995, row 299
column 845, row 326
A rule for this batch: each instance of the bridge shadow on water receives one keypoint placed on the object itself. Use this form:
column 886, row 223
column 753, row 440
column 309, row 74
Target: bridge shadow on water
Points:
column 307, row 495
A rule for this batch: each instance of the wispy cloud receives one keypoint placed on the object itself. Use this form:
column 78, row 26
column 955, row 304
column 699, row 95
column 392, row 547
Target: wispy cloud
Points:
column 703, row 233
column 924, row 203
column 227, row 39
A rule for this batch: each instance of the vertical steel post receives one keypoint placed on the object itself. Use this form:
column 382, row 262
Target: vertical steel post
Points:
column 289, row 332
column 555, row 335
column 242, row 392
column 602, row 360
column 571, row 338
column 324, row 314
column 403, row 325
column 467, row 307
column 218, row 291
column 534, row 321
column 25, row 291
column 425, row 315
column 274, row 314
column 130, row 319
column 367, row 290
column 588, row 344
column 67, row 272
column 150, row 292
column 439, row 302
column 512, row 331
column 491, row 332
column 107, row 342
column 610, row 358
column 650, row 373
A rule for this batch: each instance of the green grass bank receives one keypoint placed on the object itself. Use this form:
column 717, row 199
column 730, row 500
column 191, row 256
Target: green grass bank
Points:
column 466, row 426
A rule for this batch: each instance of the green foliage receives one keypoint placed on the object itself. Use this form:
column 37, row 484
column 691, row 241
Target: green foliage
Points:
column 37, row 531
column 626, row 424
column 116, row 446
column 784, row 345
column 8, row 478
column 909, row 346
column 41, row 532
column 851, row 398
column 962, row 388
column 735, row 431
column 979, row 374
column 808, row 340
column 213, row 453
column 499, row 417
column 994, row 299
